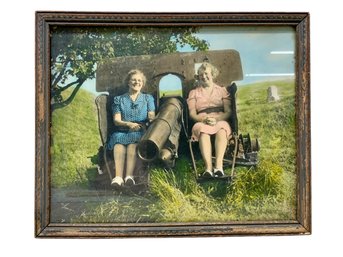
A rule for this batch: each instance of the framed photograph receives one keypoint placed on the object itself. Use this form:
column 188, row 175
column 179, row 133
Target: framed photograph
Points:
column 172, row 124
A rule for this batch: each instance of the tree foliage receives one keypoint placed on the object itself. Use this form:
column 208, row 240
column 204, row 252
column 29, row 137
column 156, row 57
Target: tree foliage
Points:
column 76, row 50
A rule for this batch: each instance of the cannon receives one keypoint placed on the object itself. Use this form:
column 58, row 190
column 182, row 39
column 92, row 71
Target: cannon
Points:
column 163, row 137
column 161, row 140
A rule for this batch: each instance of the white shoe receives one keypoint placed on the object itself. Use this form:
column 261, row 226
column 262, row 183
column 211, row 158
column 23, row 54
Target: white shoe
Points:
column 129, row 181
column 218, row 173
column 117, row 182
column 207, row 174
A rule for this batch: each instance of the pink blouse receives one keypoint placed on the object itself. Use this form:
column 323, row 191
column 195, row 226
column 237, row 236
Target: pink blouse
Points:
column 199, row 99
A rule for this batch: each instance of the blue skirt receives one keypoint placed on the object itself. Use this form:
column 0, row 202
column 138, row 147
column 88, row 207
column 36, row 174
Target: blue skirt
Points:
column 124, row 138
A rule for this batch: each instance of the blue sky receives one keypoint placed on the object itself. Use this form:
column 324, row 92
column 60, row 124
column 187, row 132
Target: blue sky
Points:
column 267, row 53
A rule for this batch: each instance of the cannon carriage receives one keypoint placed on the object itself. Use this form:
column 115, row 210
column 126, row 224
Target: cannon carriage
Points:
column 171, row 127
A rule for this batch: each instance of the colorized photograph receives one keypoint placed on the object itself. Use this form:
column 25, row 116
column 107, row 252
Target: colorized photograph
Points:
column 173, row 124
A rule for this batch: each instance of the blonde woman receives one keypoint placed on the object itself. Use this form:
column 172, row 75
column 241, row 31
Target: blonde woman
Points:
column 209, row 108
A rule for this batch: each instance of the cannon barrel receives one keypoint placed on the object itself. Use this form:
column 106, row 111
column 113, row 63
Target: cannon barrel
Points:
column 160, row 130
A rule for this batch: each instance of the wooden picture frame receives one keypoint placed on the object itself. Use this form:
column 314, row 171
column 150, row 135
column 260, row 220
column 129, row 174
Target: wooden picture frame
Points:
column 46, row 225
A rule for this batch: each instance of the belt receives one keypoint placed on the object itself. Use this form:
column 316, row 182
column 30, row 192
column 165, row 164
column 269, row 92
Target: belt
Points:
column 213, row 109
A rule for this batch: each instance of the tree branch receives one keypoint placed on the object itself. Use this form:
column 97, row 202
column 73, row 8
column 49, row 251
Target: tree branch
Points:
column 59, row 105
column 59, row 90
column 56, row 78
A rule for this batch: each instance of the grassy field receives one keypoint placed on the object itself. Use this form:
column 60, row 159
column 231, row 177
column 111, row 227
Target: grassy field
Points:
column 265, row 192
column 75, row 140
column 170, row 93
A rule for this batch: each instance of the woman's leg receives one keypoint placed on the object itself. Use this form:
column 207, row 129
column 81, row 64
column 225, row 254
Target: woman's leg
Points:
column 131, row 159
column 220, row 145
column 119, row 153
column 206, row 150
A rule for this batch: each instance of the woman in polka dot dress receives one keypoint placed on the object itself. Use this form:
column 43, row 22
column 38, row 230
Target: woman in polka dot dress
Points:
column 131, row 111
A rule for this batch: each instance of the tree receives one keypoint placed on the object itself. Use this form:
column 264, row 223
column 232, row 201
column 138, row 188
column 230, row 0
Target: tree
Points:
column 75, row 51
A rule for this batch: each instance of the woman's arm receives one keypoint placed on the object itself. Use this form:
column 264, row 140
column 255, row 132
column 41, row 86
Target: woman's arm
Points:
column 151, row 116
column 133, row 126
column 227, row 111
column 193, row 114
column 197, row 117
column 223, row 116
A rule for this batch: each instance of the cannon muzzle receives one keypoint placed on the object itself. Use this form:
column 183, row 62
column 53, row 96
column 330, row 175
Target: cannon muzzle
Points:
column 166, row 123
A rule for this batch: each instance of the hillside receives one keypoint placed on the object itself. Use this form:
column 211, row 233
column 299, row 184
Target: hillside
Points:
column 266, row 192
column 74, row 140
column 272, row 123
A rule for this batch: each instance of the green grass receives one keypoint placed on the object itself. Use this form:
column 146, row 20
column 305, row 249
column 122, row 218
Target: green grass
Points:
column 74, row 140
column 272, row 123
column 265, row 192
column 177, row 92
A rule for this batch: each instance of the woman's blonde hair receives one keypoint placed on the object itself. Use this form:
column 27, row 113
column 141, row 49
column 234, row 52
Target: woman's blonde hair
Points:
column 205, row 65
column 134, row 72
